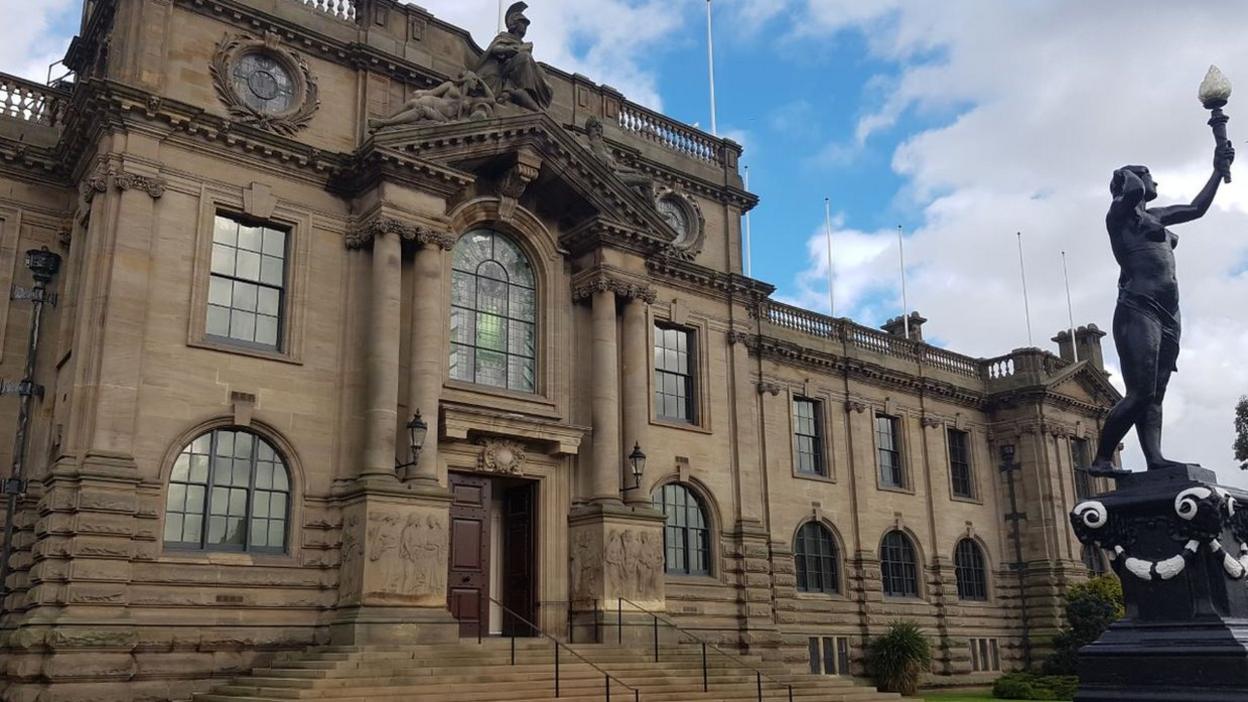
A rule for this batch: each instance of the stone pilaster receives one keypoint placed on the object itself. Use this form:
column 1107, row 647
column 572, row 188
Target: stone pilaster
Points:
column 605, row 407
column 636, row 397
column 749, row 566
column 428, row 355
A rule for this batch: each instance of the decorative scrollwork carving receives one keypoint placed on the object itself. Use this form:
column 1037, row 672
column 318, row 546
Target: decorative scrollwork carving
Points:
column 305, row 100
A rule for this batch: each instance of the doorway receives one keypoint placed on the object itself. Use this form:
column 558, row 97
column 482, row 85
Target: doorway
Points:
column 492, row 564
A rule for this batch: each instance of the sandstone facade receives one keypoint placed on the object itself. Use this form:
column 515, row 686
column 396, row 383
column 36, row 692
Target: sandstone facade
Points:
column 130, row 171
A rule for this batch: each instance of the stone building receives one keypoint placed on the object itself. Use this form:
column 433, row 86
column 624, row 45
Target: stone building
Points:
column 288, row 226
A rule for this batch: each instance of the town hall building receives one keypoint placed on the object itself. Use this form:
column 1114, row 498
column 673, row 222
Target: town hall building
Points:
column 353, row 332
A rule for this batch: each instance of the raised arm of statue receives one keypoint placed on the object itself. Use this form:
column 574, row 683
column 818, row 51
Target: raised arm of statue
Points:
column 1223, row 157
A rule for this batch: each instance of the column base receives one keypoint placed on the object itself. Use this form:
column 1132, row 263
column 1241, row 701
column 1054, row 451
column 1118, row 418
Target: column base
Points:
column 616, row 551
column 373, row 626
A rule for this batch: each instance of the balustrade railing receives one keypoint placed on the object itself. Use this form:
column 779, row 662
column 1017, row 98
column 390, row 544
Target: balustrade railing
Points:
column 346, row 10
column 30, row 102
column 668, row 133
column 1000, row 367
column 801, row 320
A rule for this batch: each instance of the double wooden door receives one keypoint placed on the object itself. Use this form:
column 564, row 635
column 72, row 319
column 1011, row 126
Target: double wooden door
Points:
column 468, row 584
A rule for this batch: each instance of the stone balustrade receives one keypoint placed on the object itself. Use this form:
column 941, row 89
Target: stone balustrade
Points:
column 30, row 102
column 670, row 134
column 346, row 10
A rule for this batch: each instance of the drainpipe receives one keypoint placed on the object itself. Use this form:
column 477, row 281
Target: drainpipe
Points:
column 43, row 265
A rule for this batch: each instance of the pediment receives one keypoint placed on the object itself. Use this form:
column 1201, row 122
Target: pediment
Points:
column 1084, row 383
column 588, row 198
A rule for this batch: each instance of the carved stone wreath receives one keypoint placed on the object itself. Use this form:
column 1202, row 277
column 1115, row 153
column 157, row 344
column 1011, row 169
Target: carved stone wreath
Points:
column 502, row 456
column 688, row 244
column 306, row 93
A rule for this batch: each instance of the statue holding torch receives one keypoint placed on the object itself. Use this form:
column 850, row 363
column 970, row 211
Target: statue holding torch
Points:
column 1146, row 322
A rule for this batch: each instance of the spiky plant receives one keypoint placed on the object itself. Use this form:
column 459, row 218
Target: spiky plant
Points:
column 897, row 659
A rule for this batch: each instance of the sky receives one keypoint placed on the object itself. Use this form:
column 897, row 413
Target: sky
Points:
column 964, row 122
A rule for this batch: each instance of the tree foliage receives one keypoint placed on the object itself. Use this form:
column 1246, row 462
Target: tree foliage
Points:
column 1241, row 432
column 1090, row 608
column 897, row 659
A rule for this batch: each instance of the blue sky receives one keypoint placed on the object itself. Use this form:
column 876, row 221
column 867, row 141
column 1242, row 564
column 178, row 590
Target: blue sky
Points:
column 965, row 121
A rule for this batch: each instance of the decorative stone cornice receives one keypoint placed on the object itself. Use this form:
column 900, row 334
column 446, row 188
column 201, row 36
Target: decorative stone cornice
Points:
column 622, row 287
column 155, row 187
column 739, row 337
column 408, row 231
column 105, row 175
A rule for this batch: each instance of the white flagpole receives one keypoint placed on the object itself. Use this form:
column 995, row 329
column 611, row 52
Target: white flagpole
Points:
column 827, row 229
column 901, row 255
column 710, row 60
column 749, row 268
column 502, row 21
column 1070, row 309
column 1022, row 269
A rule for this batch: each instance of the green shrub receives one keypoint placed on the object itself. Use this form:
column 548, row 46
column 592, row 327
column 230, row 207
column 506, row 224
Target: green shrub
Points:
column 897, row 659
column 1028, row 686
column 1090, row 608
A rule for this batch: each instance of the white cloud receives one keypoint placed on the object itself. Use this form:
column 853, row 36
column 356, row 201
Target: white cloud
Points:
column 607, row 40
column 1059, row 94
column 28, row 41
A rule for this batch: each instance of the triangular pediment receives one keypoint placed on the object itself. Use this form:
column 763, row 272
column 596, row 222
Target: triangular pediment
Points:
column 590, row 194
column 1084, row 383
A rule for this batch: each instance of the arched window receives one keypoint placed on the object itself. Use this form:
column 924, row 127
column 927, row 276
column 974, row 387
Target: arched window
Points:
column 686, row 539
column 816, row 560
column 968, row 566
column 493, row 313
column 229, row 491
column 899, row 566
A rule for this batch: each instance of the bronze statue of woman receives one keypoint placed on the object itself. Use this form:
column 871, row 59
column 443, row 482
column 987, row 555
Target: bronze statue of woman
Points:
column 1146, row 321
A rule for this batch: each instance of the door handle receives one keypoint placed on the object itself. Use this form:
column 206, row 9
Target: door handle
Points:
column 466, row 579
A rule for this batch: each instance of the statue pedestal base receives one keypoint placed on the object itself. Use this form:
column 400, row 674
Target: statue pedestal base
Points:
column 1179, row 541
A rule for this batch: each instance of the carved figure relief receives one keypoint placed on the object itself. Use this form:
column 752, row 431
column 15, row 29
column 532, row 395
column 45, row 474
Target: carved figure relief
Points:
column 406, row 555
column 586, row 584
column 351, row 568
column 263, row 84
column 464, row 98
column 633, row 564
column 631, row 177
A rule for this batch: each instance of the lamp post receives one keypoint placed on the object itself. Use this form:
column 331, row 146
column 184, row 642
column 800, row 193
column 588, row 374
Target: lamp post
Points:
column 637, row 459
column 417, row 429
column 43, row 265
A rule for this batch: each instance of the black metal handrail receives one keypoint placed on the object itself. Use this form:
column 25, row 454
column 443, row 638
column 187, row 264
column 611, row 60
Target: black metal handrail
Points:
column 656, row 618
column 482, row 623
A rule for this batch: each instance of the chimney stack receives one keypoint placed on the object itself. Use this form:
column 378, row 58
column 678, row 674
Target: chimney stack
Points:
column 1087, row 340
column 896, row 326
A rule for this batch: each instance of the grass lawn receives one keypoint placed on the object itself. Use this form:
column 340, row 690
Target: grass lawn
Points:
column 960, row 696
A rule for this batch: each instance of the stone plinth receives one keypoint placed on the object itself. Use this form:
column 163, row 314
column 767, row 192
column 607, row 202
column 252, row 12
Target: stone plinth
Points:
column 616, row 552
column 1179, row 543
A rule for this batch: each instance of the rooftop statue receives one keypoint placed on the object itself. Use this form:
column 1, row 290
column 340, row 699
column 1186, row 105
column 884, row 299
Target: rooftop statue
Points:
column 1146, row 321
column 509, row 68
column 598, row 147
column 466, row 97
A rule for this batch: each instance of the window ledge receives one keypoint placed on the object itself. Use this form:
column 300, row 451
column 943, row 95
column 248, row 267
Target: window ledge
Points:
column 974, row 603
column 172, row 554
column 906, row 599
column 820, row 596
column 214, row 344
column 798, row 475
column 703, row 580
column 966, row 500
column 898, row 490
column 535, row 403
column 683, row 426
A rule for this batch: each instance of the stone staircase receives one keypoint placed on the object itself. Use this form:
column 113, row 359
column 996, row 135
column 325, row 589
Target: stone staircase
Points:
column 483, row 672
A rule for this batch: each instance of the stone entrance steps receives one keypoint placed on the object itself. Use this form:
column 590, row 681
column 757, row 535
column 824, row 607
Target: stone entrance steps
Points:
column 484, row 672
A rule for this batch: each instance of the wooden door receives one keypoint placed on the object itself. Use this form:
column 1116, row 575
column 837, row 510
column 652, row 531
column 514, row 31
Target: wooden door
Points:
column 519, row 567
column 468, row 582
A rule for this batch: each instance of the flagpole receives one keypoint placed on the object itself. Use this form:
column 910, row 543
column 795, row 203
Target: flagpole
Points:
column 827, row 229
column 1070, row 309
column 710, row 60
column 1022, row 269
column 502, row 21
column 749, row 267
column 901, row 255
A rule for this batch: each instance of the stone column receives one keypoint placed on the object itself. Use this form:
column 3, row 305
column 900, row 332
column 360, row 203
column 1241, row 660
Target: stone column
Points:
column 381, row 415
column 605, row 478
column 636, row 396
column 428, row 353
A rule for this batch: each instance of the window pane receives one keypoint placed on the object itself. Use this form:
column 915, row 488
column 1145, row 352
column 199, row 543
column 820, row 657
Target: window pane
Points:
column 225, row 231
column 222, row 259
column 249, row 238
column 248, row 265
column 275, row 243
column 271, row 270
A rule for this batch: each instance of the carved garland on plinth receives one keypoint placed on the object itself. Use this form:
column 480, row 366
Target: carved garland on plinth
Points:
column 1200, row 515
column 305, row 101
column 627, row 289
column 408, row 231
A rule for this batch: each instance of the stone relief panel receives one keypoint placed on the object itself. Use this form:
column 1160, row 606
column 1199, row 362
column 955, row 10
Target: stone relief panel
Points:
column 394, row 555
column 627, row 563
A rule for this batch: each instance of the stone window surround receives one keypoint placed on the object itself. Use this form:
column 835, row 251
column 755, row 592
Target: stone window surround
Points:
column 699, row 336
column 711, row 509
column 987, row 573
column 903, row 443
column 294, row 512
column 825, row 400
column 972, row 436
column 298, row 226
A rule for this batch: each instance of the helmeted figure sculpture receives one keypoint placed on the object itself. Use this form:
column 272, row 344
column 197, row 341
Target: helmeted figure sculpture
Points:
column 509, row 68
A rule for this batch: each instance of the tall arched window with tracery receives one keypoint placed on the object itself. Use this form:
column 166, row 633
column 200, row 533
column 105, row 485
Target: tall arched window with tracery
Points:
column 229, row 490
column 493, row 313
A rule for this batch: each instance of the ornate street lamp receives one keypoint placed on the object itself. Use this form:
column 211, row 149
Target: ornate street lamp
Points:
column 417, row 429
column 637, row 460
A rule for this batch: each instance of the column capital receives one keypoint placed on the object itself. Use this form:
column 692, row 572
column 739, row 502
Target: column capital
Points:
column 382, row 225
column 604, row 282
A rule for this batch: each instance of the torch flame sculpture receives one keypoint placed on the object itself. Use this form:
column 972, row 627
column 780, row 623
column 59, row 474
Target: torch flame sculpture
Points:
column 1215, row 90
